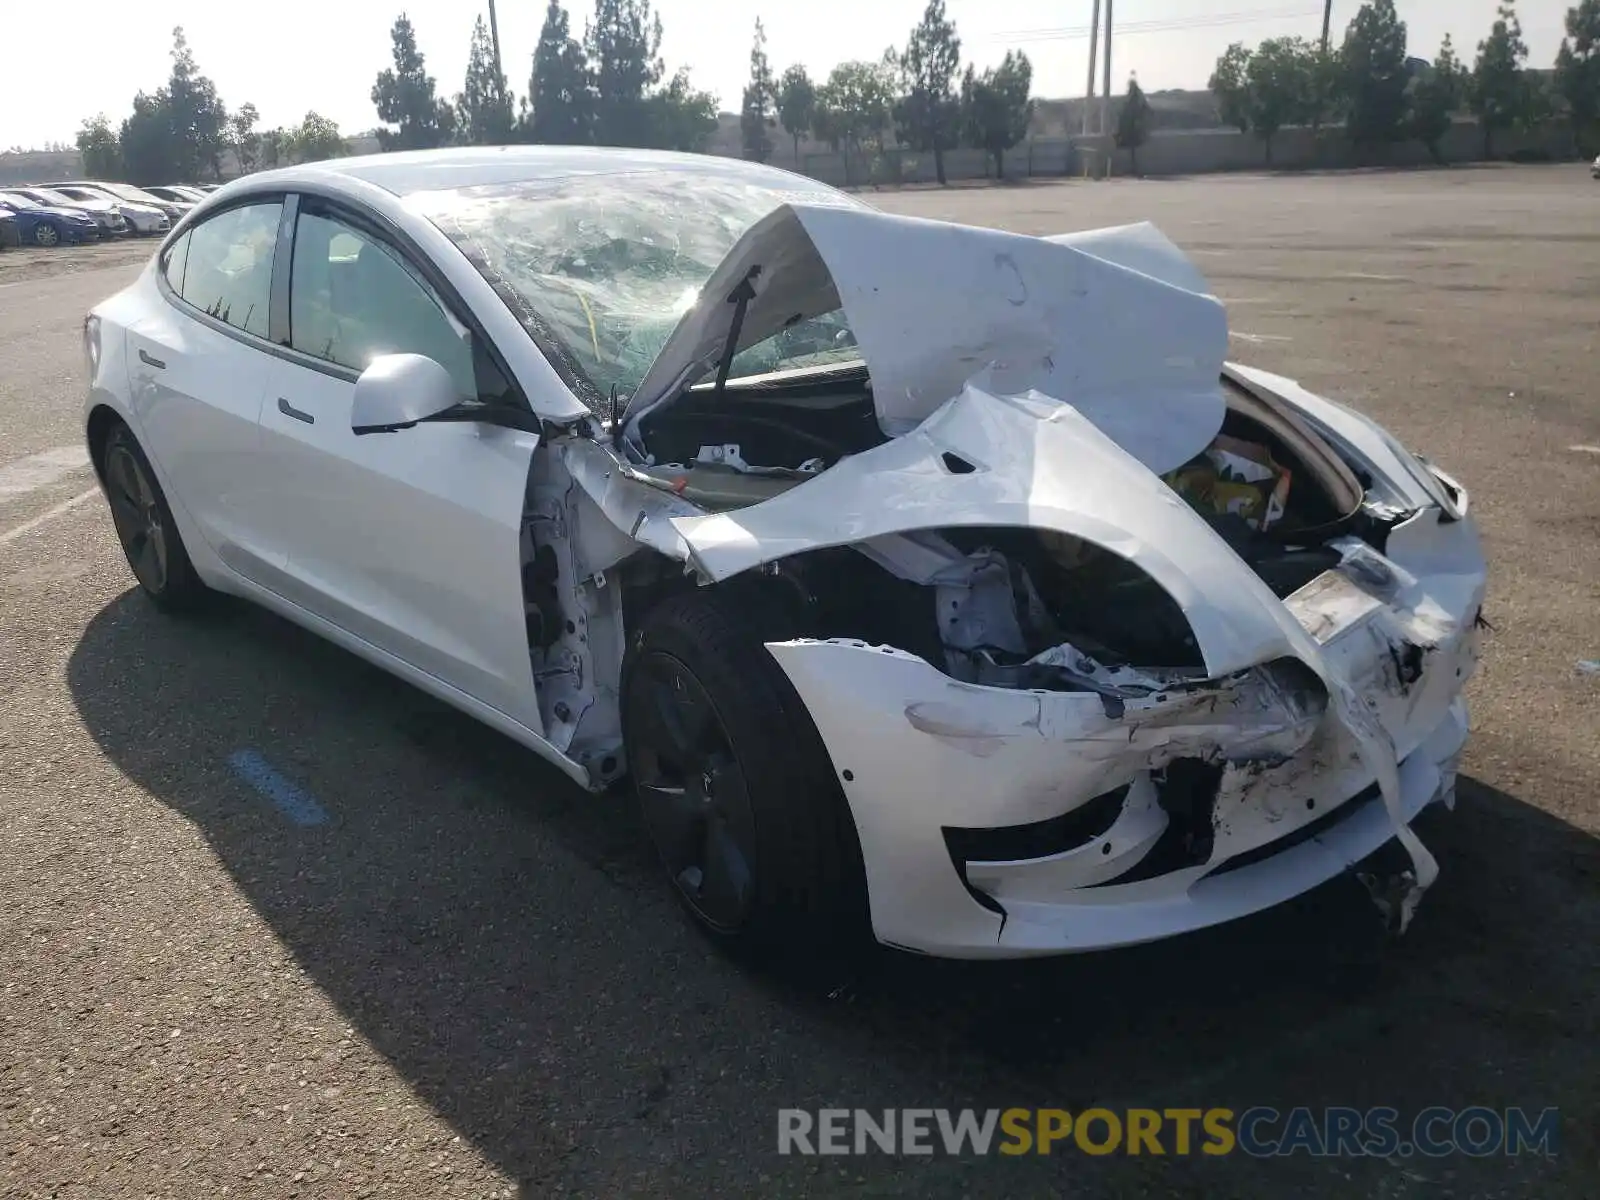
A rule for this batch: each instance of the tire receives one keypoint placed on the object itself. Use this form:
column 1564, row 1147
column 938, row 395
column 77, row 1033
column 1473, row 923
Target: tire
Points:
column 766, row 785
column 46, row 234
column 144, row 525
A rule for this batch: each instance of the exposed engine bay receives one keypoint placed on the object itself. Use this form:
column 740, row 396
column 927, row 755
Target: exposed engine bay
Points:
column 1011, row 607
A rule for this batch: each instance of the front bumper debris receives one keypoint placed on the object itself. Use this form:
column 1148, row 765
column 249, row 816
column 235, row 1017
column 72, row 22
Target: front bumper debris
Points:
column 1182, row 810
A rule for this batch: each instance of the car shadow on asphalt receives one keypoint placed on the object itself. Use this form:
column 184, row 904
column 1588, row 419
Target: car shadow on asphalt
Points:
column 504, row 941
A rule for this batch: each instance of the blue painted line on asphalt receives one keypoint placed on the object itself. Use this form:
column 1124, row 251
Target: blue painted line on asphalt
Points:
column 294, row 802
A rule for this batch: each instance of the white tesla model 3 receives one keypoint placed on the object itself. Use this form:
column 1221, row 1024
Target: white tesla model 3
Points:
column 929, row 580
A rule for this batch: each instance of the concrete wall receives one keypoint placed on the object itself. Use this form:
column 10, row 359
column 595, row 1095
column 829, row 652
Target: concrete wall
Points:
column 1176, row 152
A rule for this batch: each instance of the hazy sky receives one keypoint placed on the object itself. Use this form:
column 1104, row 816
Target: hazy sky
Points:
column 288, row 56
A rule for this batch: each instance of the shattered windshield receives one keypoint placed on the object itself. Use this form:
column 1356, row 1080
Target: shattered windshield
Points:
column 605, row 265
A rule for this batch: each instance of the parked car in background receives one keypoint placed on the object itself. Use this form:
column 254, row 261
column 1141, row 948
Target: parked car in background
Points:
column 107, row 215
column 178, row 193
column 147, row 221
column 9, row 235
column 46, row 225
column 126, row 193
column 1594, row 167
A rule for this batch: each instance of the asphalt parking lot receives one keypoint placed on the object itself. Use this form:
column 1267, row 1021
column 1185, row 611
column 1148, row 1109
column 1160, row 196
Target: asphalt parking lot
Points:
column 467, row 981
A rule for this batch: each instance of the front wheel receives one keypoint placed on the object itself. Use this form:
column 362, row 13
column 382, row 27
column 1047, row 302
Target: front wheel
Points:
column 45, row 234
column 149, row 536
column 736, row 788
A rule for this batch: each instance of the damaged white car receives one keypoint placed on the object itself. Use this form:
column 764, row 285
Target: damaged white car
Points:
column 926, row 579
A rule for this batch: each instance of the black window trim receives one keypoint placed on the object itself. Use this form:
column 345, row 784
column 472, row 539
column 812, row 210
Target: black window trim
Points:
column 379, row 229
column 370, row 224
column 176, row 299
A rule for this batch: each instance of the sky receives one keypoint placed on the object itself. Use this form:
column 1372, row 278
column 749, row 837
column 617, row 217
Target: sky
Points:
column 290, row 56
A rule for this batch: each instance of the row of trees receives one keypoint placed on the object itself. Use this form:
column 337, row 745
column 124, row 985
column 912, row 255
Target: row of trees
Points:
column 610, row 88
column 1382, row 96
column 182, row 132
column 913, row 96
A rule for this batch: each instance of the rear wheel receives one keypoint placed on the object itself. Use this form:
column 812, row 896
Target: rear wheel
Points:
column 735, row 786
column 46, row 234
column 144, row 525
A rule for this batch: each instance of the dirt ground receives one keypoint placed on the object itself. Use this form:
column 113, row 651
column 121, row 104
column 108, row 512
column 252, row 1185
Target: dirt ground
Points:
column 468, row 980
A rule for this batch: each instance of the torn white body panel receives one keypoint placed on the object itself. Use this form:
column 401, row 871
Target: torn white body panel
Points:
column 926, row 753
column 1112, row 322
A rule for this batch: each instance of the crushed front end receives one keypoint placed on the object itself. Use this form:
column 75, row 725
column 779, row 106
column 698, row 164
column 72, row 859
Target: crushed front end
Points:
column 1108, row 746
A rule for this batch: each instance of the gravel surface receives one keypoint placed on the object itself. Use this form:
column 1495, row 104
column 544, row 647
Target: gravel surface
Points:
column 467, row 981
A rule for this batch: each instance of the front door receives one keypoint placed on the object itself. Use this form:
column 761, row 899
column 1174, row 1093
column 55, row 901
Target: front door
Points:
column 409, row 540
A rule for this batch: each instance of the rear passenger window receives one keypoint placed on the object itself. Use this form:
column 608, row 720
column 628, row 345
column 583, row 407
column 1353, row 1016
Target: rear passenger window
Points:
column 172, row 265
column 228, row 269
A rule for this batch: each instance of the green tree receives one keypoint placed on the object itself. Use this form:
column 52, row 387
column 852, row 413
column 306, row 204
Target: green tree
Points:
column 797, row 105
column 760, row 94
column 1133, row 122
column 1498, row 93
column 853, row 109
column 274, row 148
column 243, row 138
column 1280, row 85
column 624, row 46
column 404, row 96
column 149, row 151
column 560, row 108
column 996, row 107
column 1435, row 96
column 1231, row 87
column 678, row 117
column 196, row 117
column 1578, row 71
column 484, row 114
column 928, row 117
column 314, row 139
column 1373, row 77
column 100, row 148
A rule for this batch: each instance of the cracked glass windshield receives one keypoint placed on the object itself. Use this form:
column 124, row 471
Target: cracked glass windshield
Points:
column 609, row 263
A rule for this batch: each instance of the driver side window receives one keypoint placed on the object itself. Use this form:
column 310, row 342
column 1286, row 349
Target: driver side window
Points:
column 353, row 298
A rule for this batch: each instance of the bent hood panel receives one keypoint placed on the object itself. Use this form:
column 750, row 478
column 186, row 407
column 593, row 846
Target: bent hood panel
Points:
column 1116, row 322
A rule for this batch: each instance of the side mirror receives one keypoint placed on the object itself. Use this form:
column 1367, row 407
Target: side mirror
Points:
column 398, row 390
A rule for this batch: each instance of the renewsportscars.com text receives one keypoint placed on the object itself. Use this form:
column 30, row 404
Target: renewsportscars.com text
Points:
column 1258, row 1132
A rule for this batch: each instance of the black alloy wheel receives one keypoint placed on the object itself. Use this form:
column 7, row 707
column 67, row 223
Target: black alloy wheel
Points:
column 695, row 798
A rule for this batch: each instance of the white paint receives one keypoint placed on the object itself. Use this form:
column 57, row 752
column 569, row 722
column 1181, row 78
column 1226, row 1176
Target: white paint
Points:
column 1581, row 449
column 1258, row 338
column 1116, row 319
column 1373, row 278
column 39, row 470
column 48, row 514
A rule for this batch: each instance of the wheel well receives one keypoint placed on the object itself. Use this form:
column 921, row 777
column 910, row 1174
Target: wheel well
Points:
column 102, row 420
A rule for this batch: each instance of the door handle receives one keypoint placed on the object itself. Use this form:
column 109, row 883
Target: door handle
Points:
column 290, row 410
column 145, row 358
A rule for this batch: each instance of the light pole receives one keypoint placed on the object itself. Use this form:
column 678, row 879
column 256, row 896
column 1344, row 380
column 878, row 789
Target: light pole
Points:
column 1327, row 16
column 1094, row 45
column 499, row 69
column 1105, row 98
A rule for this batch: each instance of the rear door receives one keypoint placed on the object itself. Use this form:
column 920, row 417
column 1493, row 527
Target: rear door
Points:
column 197, row 362
column 409, row 540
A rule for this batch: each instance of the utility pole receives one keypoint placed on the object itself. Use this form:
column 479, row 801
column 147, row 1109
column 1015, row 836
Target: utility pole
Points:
column 1327, row 16
column 1105, row 98
column 1094, row 44
column 499, row 70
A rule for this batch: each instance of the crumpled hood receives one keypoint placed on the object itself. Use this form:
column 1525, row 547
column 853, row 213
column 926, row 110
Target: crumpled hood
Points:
column 1115, row 322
